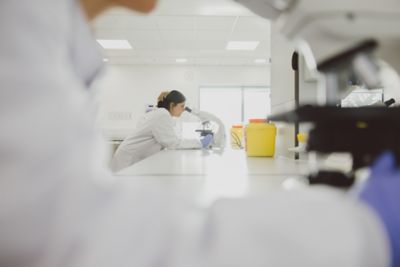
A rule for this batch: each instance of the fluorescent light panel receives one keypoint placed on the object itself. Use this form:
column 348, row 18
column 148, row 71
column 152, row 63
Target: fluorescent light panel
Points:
column 260, row 61
column 181, row 60
column 115, row 44
column 241, row 45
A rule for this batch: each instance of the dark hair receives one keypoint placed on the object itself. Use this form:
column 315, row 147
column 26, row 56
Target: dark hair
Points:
column 174, row 96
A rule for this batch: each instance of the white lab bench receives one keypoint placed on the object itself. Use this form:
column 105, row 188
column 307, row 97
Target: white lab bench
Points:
column 212, row 174
column 206, row 162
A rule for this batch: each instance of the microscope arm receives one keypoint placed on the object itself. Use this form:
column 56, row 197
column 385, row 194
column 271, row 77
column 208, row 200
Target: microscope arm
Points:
column 220, row 135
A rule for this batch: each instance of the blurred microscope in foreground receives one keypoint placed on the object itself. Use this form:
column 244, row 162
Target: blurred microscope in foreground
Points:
column 341, row 40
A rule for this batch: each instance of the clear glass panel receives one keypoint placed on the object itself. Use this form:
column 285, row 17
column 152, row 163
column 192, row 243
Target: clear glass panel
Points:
column 257, row 103
column 235, row 105
column 224, row 102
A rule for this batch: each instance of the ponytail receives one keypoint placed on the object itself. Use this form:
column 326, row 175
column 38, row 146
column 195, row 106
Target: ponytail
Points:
column 166, row 98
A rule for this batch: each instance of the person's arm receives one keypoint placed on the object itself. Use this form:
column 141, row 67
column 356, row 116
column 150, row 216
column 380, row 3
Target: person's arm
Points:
column 164, row 133
column 381, row 192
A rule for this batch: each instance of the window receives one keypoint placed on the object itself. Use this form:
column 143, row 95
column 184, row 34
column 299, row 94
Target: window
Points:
column 236, row 104
column 257, row 103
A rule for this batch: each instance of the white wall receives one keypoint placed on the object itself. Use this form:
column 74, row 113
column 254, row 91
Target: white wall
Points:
column 124, row 89
column 307, row 86
column 307, row 91
column 282, row 89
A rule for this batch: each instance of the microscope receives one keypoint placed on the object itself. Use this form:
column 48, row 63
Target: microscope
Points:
column 206, row 119
column 342, row 39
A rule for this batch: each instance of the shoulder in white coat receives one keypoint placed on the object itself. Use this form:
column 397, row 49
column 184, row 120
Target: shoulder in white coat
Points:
column 163, row 129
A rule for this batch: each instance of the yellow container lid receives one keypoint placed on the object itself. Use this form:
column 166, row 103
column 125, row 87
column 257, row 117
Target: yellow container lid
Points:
column 237, row 126
column 257, row 120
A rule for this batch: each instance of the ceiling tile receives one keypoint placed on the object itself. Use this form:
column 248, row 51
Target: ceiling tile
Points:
column 178, row 35
column 253, row 24
column 180, row 44
column 111, row 34
column 175, row 23
column 144, row 35
column 194, row 29
column 201, row 8
column 145, row 39
column 213, row 23
column 212, row 35
column 248, row 36
column 137, row 22
column 210, row 44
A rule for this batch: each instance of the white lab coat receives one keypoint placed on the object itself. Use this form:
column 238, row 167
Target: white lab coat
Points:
column 58, row 207
column 155, row 131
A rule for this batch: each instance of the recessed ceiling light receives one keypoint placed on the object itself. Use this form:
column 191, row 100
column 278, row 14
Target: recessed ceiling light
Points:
column 115, row 44
column 260, row 61
column 105, row 60
column 240, row 45
column 181, row 60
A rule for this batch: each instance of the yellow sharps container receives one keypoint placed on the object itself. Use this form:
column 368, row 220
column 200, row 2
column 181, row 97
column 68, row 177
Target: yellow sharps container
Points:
column 260, row 138
column 237, row 136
